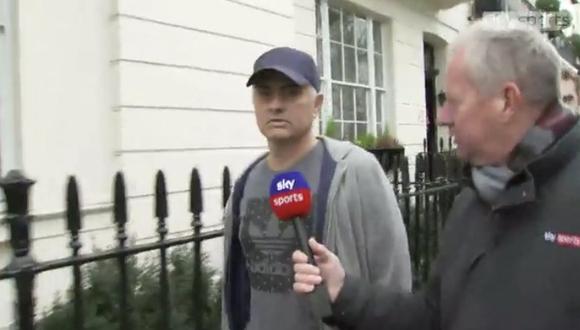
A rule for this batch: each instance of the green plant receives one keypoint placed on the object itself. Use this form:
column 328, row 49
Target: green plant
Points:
column 366, row 141
column 548, row 5
column 386, row 140
column 101, row 296
column 331, row 129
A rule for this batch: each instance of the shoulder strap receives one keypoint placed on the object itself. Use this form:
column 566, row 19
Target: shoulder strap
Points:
column 327, row 169
column 237, row 286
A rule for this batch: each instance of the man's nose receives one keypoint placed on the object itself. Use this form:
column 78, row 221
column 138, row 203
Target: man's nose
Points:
column 275, row 104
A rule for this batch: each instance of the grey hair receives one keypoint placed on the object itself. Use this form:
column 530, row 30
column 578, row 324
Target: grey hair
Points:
column 497, row 51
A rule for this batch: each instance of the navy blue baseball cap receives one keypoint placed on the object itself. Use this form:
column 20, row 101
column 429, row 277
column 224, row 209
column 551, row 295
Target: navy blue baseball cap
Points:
column 295, row 64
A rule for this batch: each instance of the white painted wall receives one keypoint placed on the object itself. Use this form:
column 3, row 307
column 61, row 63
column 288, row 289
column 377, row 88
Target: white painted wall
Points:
column 10, row 135
column 67, row 97
column 183, row 100
column 305, row 31
column 67, row 92
column 305, row 26
column 575, row 11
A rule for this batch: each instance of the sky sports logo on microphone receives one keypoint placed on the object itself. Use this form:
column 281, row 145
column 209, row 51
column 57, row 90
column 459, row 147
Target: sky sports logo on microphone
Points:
column 292, row 198
column 290, row 195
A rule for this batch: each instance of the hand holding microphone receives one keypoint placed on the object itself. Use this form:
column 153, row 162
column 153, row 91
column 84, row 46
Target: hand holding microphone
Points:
column 328, row 269
column 291, row 199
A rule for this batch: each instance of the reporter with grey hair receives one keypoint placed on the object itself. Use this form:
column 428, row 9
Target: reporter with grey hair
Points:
column 510, row 252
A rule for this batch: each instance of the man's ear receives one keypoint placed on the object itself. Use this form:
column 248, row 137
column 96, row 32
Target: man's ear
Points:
column 513, row 100
column 318, row 104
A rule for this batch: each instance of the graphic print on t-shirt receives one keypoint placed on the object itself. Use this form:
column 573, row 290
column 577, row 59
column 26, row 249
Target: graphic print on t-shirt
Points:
column 269, row 244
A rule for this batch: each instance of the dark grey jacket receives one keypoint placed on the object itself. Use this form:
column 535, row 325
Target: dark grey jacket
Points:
column 513, row 266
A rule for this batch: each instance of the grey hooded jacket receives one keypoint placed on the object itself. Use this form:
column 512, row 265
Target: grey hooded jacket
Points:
column 362, row 225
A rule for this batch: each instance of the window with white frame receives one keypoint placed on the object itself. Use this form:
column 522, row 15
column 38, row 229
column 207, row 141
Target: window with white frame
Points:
column 351, row 59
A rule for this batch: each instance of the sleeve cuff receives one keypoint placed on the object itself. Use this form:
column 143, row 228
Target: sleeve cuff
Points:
column 347, row 307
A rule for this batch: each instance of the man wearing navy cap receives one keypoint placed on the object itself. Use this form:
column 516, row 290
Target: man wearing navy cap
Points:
column 354, row 210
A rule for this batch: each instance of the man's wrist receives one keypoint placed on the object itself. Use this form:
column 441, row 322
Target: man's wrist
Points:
column 343, row 313
column 335, row 291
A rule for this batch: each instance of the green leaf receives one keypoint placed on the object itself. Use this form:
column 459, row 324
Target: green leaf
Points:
column 331, row 129
column 548, row 5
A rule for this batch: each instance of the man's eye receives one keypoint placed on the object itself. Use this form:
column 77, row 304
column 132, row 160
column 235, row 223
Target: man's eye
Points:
column 441, row 98
column 263, row 91
column 293, row 91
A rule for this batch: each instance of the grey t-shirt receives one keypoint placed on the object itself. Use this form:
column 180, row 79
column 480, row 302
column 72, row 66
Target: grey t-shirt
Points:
column 268, row 244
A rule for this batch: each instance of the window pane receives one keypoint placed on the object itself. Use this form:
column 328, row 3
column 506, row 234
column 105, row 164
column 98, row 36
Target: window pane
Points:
column 363, row 67
column 348, row 132
column 339, row 130
column 348, row 29
column 361, row 104
column 361, row 129
column 379, row 108
column 319, row 57
column 347, row 103
column 377, row 37
column 361, row 32
column 379, row 129
column 379, row 70
column 336, row 102
column 349, row 64
column 336, row 61
column 334, row 21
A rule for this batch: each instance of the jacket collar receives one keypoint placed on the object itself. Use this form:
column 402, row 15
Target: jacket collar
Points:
column 338, row 149
column 522, row 187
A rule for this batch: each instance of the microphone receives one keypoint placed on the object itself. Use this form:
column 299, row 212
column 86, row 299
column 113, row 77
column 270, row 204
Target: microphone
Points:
column 291, row 199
